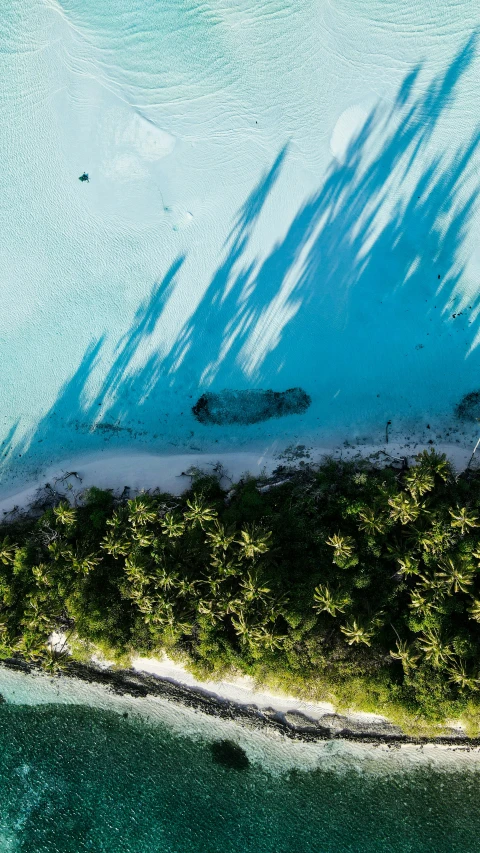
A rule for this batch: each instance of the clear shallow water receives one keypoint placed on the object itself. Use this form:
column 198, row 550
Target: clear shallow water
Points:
column 84, row 769
column 75, row 779
column 281, row 194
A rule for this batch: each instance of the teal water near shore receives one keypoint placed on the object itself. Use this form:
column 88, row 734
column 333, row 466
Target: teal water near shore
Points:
column 75, row 778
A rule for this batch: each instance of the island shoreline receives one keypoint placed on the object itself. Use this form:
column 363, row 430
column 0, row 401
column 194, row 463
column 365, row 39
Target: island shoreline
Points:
column 143, row 472
column 329, row 727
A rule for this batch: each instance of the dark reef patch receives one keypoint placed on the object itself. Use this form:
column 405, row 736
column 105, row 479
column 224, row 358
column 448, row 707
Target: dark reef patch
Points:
column 468, row 409
column 249, row 407
column 229, row 754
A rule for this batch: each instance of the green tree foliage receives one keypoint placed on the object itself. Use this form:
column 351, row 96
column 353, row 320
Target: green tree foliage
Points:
column 346, row 573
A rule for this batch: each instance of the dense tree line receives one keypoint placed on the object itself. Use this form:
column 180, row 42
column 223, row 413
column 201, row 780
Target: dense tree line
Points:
column 344, row 579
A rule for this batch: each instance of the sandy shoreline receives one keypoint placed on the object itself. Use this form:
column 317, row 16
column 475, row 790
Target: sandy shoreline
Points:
column 239, row 702
column 147, row 471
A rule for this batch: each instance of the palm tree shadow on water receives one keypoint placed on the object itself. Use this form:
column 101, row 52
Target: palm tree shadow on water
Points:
column 350, row 304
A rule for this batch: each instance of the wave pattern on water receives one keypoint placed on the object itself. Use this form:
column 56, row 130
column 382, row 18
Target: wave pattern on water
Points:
column 281, row 195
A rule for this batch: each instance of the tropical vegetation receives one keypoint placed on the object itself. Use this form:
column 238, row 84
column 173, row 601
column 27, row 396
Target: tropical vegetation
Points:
column 343, row 580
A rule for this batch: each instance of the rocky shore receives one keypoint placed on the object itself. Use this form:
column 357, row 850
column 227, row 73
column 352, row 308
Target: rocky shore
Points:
column 292, row 723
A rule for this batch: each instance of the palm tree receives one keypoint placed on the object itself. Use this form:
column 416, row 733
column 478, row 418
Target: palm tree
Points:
column 6, row 648
column 220, row 538
column 224, row 567
column 145, row 604
column 230, row 605
column 54, row 660
column 252, row 591
column 261, row 636
column 212, row 611
column 419, row 481
column 116, row 520
column 65, row 514
column 41, row 574
column 142, row 537
column 114, row 545
column 30, row 646
column 344, row 547
column 436, row 538
column 436, row 463
column 463, row 519
column 166, row 580
column 474, row 610
column 173, row 525
column 35, row 620
column 214, row 585
column 405, row 654
column 419, row 603
column 140, row 511
column 199, row 513
column 135, row 569
column 329, row 602
column 242, row 630
column 372, row 522
column 408, row 565
column 7, row 551
column 458, row 675
column 432, row 584
column 435, row 650
column 59, row 551
column 253, row 542
column 83, row 564
column 356, row 634
column 186, row 588
column 403, row 508
column 457, row 577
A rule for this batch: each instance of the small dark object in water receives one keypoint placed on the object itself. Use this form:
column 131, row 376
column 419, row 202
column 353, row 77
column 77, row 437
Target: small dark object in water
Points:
column 389, row 423
column 249, row 407
column 2, row 700
column 229, row 754
column 84, row 177
column 468, row 409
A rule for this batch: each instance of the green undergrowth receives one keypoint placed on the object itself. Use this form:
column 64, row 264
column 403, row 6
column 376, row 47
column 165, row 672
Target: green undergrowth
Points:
column 345, row 583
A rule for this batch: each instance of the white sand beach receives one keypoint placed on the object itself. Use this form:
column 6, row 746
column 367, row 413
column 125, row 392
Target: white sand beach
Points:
column 169, row 473
column 242, row 690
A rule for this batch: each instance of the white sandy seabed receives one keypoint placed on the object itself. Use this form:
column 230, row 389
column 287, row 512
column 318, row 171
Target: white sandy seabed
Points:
column 281, row 195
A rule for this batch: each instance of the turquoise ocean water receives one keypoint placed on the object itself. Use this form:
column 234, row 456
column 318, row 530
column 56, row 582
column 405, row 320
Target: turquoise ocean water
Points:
column 84, row 770
column 75, row 779
column 282, row 194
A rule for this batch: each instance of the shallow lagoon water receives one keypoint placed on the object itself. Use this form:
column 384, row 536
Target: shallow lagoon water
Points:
column 282, row 195
column 144, row 775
